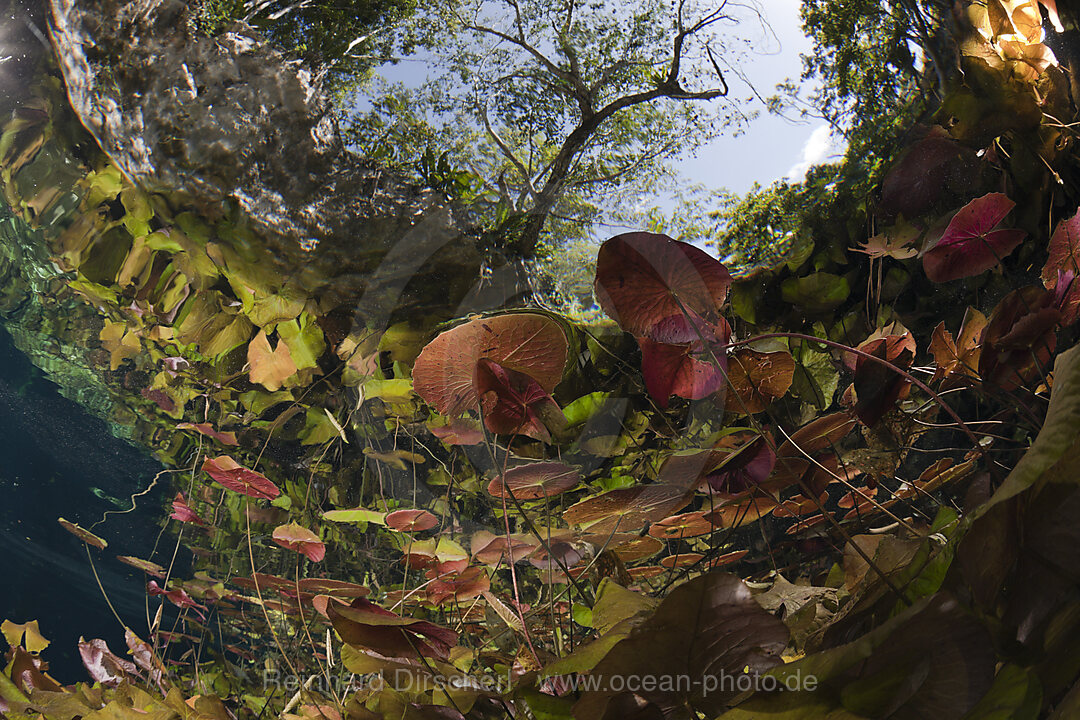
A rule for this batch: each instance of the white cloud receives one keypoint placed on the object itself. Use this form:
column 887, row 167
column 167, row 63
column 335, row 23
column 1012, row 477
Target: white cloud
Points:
column 817, row 149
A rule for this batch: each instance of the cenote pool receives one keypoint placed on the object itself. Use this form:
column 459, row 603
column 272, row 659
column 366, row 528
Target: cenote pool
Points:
column 404, row 359
column 54, row 455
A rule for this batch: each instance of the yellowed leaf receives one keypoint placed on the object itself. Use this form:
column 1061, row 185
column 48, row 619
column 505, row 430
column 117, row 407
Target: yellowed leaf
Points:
column 269, row 367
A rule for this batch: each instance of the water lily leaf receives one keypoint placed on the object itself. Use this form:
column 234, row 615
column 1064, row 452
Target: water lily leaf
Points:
column 931, row 169
column 177, row 596
column 104, row 184
column 458, row 586
column 1019, row 340
column 877, row 386
column 225, row 438
column 230, row 474
column 458, row 432
column 745, row 468
column 615, row 604
column 270, row 367
column 104, row 666
column 681, row 560
column 817, row 292
column 741, row 512
column 27, row 635
column 515, row 403
column 970, row 244
column 675, row 361
column 821, row 434
column 279, row 307
column 580, row 410
column 83, row 534
column 183, row 512
column 366, row 625
column 150, row 568
column 527, row 343
column 356, row 515
column 1063, row 251
column 642, row 278
column 139, row 211
column 629, row 508
column 1062, row 267
column 395, row 390
column 491, row 549
column 710, row 626
column 304, row 339
column 1016, row 693
column 299, row 538
column 815, row 378
column 757, row 379
column 411, row 520
column 120, row 341
column 258, row 402
column 536, row 480
column 960, row 357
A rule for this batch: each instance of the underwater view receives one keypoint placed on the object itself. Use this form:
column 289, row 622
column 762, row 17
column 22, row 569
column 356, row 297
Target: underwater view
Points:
column 670, row 360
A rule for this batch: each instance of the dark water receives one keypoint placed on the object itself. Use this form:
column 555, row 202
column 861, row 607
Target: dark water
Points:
column 52, row 455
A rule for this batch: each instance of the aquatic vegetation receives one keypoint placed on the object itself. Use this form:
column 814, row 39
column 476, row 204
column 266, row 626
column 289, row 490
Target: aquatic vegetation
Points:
column 844, row 487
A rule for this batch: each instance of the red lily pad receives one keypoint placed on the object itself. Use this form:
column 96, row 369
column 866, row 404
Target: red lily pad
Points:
column 333, row 588
column 805, row 524
column 184, row 512
column 744, row 469
column 727, row 559
column 534, row 481
column 491, row 549
column 225, row 438
column 642, row 278
column 411, row 520
column 527, row 343
column 877, row 386
column 458, row 432
column 970, row 244
column 743, row 512
column 757, row 379
column 1062, row 267
column 515, row 403
column 82, row 533
column 150, row 568
column 682, row 560
column 1019, row 339
column 678, row 527
column 627, row 509
column 798, row 506
column 364, row 624
column 299, row 538
column 1063, row 253
column 233, row 476
column 177, row 596
column 931, row 169
column 456, row 587
column 684, row 359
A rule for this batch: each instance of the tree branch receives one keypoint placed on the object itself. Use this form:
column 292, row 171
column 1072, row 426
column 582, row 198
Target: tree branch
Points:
column 508, row 152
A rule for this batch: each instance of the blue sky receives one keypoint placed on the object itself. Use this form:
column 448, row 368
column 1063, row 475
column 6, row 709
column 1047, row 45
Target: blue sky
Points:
column 772, row 147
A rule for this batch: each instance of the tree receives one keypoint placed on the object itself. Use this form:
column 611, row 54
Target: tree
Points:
column 561, row 105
